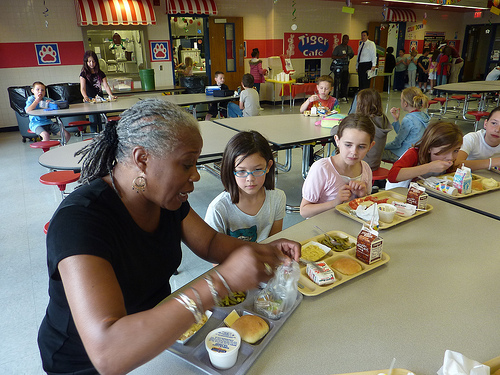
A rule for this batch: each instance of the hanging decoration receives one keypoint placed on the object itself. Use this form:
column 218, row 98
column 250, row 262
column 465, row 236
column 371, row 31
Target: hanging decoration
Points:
column 185, row 24
column 46, row 14
column 175, row 19
column 384, row 13
column 294, row 17
column 424, row 21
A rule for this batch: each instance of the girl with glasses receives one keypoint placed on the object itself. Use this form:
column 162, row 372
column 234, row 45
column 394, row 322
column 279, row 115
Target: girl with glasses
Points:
column 249, row 208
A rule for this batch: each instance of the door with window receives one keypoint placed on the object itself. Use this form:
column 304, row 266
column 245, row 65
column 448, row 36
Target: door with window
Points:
column 227, row 50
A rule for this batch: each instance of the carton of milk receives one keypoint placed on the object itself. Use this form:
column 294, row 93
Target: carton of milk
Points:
column 417, row 196
column 462, row 180
column 369, row 245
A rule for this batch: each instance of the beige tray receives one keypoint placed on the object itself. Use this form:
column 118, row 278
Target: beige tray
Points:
column 345, row 209
column 309, row 288
column 395, row 371
column 494, row 364
column 459, row 196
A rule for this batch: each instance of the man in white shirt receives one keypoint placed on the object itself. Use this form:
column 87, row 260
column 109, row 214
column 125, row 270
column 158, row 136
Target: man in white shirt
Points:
column 494, row 74
column 367, row 59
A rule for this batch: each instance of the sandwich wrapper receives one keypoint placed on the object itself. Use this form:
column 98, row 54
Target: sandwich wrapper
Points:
column 457, row 364
column 369, row 214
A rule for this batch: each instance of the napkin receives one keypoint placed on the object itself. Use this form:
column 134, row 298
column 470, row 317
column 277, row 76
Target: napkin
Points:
column 457, row 364
column 368, row 213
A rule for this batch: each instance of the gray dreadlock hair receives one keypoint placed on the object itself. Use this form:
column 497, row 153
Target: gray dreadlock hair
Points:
column 153, row 124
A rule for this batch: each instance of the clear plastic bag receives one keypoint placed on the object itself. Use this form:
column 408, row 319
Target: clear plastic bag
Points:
column 280, row 293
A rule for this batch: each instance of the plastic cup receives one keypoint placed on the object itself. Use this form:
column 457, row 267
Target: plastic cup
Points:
column 222, row 345
column 386, row 212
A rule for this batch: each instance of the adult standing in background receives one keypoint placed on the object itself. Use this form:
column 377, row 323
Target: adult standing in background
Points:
column 390, row 64
column 343, row 53
column 367, row 60
column 456, row 65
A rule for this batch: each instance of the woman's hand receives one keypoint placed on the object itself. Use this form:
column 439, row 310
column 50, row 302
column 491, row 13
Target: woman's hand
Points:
column 291, row 249
column 395, row 113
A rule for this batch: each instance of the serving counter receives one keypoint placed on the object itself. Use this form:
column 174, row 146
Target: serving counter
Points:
column 438, row 291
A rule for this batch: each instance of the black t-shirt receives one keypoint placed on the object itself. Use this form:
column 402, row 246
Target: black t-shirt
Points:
column 424, row 60
column 390, row 63
column 93, row 220
column 93, row 83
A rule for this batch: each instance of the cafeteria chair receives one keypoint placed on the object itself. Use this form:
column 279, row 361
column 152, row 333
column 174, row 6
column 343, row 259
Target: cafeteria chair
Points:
column 45, row 145
column 81, row 125
column 114, row 118
column 443, row 102
column 433, row 112
column 478, row 115
column 379, row 174
column 61, row 179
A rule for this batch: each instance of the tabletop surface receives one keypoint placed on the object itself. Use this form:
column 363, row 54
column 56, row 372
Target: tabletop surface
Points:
column 280, row 130
column 437, row 292
column 215, row 138
column 170, row 88
column 119, row 105
column 472, row 86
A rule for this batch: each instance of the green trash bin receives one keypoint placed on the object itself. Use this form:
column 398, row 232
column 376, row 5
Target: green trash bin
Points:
column 147, row 79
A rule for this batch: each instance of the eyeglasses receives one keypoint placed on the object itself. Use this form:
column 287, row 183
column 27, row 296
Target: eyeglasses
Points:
column 256, row 173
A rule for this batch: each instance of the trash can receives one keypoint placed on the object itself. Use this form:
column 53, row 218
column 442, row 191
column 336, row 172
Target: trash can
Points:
column 147, row 79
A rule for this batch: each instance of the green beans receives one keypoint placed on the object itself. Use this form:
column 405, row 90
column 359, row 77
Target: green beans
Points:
column 234, row 299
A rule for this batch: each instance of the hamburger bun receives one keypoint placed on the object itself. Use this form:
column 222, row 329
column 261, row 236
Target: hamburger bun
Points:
column 251, row 328
column 477, row 185
column 347, row 266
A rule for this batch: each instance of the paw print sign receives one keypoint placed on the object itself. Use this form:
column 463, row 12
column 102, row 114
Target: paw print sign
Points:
column 47, row 54
column 160, row 50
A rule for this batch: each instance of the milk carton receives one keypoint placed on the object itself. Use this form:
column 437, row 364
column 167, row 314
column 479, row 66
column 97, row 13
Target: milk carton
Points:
column 369, row 245
column 462, row 180
column 417, row 196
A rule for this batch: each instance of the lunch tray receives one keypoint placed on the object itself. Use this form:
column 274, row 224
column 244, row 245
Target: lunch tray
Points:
column 345, row 209
column 395, row 371
column 195, row 353
column 450, row 176
column 309, row 288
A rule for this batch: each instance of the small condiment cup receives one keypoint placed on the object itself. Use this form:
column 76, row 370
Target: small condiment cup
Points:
column 386, row 212
column 222, row 345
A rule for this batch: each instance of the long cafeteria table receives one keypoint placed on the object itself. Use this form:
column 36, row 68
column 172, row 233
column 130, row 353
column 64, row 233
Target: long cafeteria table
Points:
column 438, row 291
column 215, row 138
column 486, row 203
column 479, row 87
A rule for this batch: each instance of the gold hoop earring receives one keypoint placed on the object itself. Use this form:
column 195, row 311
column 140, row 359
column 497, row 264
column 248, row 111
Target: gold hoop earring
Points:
column 139, row 184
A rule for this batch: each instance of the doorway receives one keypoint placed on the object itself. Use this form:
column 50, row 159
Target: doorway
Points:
column 227, row 49
column 481, row 52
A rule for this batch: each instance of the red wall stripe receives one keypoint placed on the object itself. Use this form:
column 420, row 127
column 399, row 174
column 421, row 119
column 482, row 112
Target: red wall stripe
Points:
column 23, row 55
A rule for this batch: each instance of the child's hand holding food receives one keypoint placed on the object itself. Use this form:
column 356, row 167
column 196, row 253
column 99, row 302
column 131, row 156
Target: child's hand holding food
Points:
column 395, row 113
column 439, row 166
column 344, row 195
column 313, row 98
column 358, row 188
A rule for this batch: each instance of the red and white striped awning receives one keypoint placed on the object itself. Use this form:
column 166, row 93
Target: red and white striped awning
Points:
column 400, row 15
column 114, row 12
column 207, row 7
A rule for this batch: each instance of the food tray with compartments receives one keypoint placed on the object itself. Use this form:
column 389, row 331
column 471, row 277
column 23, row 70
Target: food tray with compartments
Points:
column 449, row 177
column 309, row 288
column 395, row 371
column 391, row 196
column 194, row 350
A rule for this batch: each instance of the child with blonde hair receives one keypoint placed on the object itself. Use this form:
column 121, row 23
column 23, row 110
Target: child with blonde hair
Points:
column 344, row 176
column 433, row 155
column 411, row 129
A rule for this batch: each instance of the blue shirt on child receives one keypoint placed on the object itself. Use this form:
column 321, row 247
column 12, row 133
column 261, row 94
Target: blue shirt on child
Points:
column 36, row 121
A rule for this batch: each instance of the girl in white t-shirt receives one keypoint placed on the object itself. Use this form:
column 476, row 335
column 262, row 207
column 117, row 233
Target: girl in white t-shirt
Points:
column 250, row 208
column 345, row 176
column 479, row 147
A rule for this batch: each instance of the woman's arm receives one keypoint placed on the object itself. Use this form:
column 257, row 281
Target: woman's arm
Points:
column 107, row 88
column 83, row 89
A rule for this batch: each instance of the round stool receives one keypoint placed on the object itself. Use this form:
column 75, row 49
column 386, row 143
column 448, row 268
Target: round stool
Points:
column 45, row 145
column 114, row 118
column 59, row 178
column 434, row 111
column 46, row 227
column 80, row 125
column 380, row 174
column 478, row 115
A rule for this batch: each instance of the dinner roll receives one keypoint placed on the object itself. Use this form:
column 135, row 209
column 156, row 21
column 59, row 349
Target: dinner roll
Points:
column 251, row 328
column 346, row 266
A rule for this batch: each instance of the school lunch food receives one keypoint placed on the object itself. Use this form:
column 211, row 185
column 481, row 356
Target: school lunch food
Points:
column 366, row 201
column 194, row 328
column 320, row 273
column 314, row 251
column 339, row 244
column 251, row 328
column 347, row 266
column 489, row 183
column 231, row 300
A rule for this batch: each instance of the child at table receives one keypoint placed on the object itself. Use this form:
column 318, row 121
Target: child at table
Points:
column 410, row 130
column 214, row 107
column 249, row 100
column 249, row 208
column 41, row 125
column 345, row 176
column 92, row 80
column 479, row 147
column 433, row 155
column 322, row 98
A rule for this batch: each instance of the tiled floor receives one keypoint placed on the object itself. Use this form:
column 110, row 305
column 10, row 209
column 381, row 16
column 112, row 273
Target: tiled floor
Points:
column 26, row 205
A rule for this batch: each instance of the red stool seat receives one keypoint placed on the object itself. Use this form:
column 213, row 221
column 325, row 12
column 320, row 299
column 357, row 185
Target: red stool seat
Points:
column 45, row 145
column 478, row 96
column 114, row 118
column 458, row 97
column 79, row 124
column 478, row 115
column 59, row 178
column 46, row 227
column 432, row 101
column 440, row 99
column 380, row 174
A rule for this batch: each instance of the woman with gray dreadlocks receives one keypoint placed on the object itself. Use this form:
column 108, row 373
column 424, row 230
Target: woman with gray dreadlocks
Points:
column 114, row 243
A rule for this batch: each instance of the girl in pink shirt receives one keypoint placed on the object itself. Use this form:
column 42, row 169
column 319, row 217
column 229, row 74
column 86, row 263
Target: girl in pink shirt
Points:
column 345, row 176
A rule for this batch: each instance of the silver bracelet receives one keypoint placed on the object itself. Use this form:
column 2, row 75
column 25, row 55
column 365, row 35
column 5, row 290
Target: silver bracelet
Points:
column 229, row 291
column 215, row 295
column 190, row 305
column 489, row 168
column 198, row 299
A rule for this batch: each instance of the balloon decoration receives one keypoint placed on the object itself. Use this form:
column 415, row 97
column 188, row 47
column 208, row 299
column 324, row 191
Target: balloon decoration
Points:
column 175, row 19
column 190, row 21
column 116, row 41
column 294, row 17
column 199, row 23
